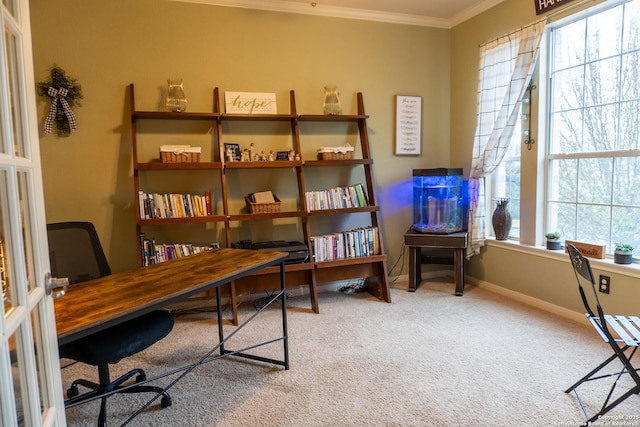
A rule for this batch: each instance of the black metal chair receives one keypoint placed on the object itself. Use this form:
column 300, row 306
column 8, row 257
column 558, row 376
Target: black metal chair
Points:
column 622, row 333
column 75, row 252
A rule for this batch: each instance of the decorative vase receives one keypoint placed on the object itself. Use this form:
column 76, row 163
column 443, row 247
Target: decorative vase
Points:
column 622, row 257
column 332, row 104
column 176, row 101
column 501, row 219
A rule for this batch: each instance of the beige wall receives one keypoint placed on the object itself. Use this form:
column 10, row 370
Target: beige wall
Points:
column 107, row 45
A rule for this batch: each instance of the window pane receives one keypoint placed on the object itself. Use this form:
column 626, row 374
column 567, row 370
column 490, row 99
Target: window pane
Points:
column 566, row 132
column 569, row 47
column 12, row 47
column 600, row 128
column 631, row 36
column 630, row 125
column 9, row 296
column 604, row 34
column 595, row 180
column 627, row 182
column 568, row 89
column 562, row 217
column 602, row 81
column 564, row 180
column 626, row 227
column 630, row 84
column 593, row 224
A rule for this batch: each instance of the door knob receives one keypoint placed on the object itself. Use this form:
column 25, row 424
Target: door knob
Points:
column 55, row 286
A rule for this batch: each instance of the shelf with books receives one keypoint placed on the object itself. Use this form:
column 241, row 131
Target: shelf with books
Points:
column 335, row 131
column 231, row 219
column 174, row 188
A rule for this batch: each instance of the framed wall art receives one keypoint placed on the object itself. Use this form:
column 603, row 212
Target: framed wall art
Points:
column 408, row 125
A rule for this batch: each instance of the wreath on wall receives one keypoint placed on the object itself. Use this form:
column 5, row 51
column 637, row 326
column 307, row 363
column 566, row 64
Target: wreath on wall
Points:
column 65, row 93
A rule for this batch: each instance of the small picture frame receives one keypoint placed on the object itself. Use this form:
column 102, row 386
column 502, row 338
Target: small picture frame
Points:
column 282, row 155
column 408, row 125
column 235, row 151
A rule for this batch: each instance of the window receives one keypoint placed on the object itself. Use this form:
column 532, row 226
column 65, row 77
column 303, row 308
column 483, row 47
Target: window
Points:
column 506, row 178
column 593, row 160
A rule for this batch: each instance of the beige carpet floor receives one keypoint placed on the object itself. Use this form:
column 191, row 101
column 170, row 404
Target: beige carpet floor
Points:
column 427, row 359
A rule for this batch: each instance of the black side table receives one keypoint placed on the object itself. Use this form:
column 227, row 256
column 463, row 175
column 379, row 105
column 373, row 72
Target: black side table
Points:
column 415, row 241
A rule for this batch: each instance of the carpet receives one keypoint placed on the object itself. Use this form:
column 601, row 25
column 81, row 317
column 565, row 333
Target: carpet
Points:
column 429, row 358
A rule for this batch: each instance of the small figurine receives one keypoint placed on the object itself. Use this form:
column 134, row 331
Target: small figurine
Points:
column 272, row 156
column 244, row 156
column 263, row 156
column 292, row 155
column 297, row 157
column 229, row 154
column 252, row 152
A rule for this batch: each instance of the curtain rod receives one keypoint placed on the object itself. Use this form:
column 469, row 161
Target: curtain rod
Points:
column 514, row 31
column 550, row 15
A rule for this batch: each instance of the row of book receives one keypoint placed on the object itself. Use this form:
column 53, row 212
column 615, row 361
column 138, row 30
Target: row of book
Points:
column 347, row 244
column 353, row 196
column 154, row 205
column 153, row 253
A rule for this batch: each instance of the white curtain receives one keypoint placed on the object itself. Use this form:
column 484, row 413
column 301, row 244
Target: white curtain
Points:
column 506, row 65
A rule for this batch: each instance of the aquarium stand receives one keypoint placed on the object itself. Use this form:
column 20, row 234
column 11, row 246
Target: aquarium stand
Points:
column 416, row 241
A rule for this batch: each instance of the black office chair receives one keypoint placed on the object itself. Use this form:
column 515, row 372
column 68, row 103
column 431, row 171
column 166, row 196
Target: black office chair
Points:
column 75, row 252
column 622, row 333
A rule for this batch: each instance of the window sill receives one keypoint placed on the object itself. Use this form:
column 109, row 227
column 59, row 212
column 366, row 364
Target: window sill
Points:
column 607, row 264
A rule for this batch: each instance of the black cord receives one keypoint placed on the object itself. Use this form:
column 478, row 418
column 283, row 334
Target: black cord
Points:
column 400, row 258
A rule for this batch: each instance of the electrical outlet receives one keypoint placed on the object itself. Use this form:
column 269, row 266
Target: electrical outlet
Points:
column 604, row 284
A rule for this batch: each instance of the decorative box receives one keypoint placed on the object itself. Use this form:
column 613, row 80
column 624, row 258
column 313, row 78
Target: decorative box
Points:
column 179, row 154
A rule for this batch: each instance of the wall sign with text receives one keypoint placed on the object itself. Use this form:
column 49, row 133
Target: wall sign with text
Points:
column 408, row 125
column 543, row 6
column 250, row 103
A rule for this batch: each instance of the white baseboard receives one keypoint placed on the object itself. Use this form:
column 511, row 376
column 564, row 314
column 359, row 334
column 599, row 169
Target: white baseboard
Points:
column 529, row 300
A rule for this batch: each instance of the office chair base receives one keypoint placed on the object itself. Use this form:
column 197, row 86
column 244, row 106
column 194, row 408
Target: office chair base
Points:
column 105, row 386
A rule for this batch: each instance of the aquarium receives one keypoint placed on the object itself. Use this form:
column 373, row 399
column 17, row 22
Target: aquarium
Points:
column 438, row 201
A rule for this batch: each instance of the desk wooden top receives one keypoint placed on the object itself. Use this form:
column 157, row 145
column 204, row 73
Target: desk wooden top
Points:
column 97, row 304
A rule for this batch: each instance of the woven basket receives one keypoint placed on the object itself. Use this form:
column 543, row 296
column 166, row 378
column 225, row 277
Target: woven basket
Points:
column 335, row 153
column 335, row 156
column 262, row 207
column 179, row 154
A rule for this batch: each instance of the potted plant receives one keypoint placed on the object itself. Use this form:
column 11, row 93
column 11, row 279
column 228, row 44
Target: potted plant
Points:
column 623, row 253
column 553, row 241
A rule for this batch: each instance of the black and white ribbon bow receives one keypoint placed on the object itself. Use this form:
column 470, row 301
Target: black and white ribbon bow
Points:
column 58, row 95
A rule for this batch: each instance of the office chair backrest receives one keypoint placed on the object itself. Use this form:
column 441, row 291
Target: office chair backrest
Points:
column 75, row 252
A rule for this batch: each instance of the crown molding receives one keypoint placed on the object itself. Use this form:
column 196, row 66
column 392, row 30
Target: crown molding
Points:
column 350, row 13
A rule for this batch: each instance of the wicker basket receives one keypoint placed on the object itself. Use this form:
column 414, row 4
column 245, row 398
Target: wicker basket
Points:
column 335, row 153
column 179, row 154
column 262, row 207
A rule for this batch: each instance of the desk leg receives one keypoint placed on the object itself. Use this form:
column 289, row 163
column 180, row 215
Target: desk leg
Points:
column 458, row 266
column 285, row 335
column 220, row 326
column 415, row 273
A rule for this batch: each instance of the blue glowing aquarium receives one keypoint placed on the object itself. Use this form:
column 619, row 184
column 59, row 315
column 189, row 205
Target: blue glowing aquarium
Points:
column 438, row 201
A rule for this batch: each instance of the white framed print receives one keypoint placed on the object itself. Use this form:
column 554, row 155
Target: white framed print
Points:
column 408, row 125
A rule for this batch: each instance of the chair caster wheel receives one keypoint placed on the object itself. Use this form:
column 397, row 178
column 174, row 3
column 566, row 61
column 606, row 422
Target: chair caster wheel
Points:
column 165, row 402
column 72, row 391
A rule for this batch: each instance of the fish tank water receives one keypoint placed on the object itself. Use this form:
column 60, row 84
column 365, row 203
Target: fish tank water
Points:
column 438, row 200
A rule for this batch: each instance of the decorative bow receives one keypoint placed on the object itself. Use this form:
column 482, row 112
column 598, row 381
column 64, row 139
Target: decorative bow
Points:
column 58, row 95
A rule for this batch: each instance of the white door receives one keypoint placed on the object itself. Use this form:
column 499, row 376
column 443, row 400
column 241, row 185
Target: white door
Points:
column 30, row 384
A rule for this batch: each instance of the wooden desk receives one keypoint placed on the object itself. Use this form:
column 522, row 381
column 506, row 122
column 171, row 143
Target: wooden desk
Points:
column 97, row 304
column 416, row 241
